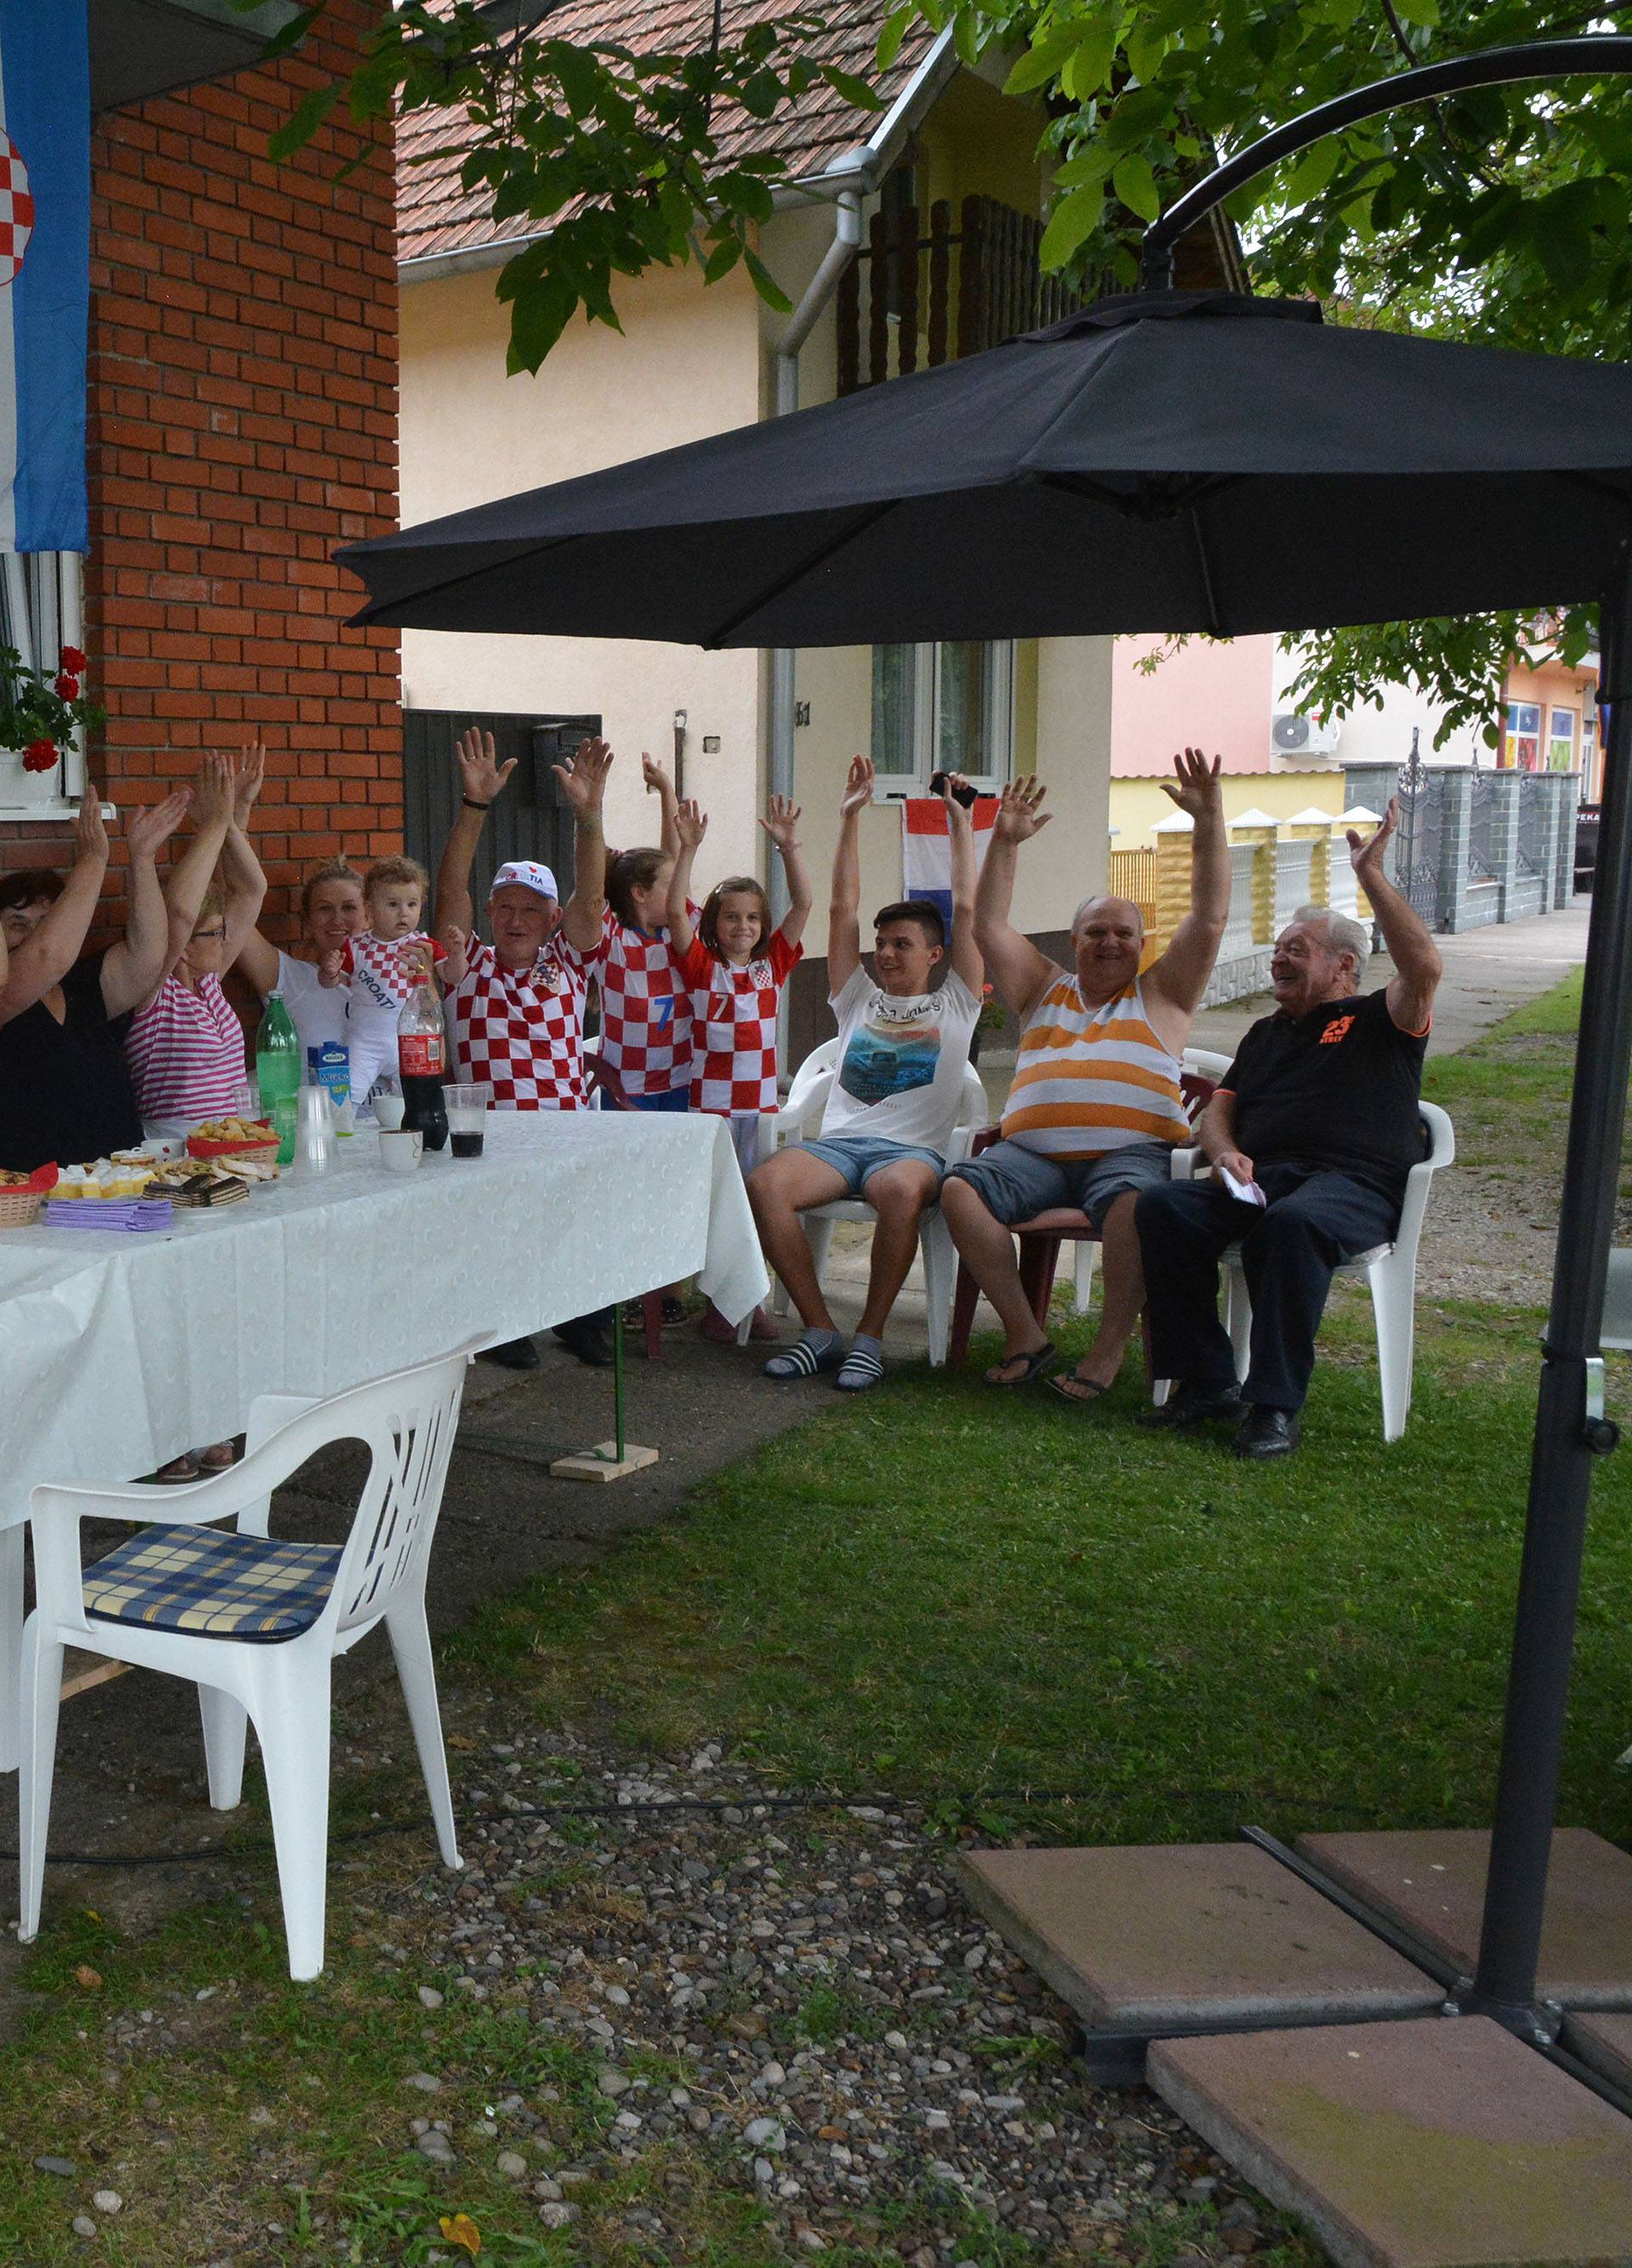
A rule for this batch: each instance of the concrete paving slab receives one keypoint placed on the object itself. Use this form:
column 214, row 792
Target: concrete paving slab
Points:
column 1434, row 1880
column 1199, row 1932
column 1605, row 2042
column 1430, row 2144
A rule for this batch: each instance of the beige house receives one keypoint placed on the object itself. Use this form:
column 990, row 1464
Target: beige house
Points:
column 909, row 236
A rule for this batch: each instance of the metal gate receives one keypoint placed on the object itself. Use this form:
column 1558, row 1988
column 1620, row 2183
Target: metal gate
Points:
column 530, row 818
column 1532, row 824
column 1481, row 859
column 1417, row 854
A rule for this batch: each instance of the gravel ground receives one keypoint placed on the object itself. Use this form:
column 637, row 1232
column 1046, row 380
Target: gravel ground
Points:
column 857, row 2046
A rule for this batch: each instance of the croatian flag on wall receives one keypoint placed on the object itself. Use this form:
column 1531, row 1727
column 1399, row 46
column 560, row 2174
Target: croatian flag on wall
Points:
column 45, row 273
column 926, row 847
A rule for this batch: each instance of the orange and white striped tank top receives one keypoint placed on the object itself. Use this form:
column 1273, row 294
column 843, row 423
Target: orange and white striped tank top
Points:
column 1091, row 1080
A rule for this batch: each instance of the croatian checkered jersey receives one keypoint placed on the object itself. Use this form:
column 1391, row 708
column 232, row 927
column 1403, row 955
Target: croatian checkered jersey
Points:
column 734, row 1067
column 646, row 1010
column 380, row 972
column 522, row 1030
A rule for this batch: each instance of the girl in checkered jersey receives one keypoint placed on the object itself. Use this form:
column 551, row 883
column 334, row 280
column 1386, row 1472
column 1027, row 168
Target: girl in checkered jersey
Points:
column 734, row 965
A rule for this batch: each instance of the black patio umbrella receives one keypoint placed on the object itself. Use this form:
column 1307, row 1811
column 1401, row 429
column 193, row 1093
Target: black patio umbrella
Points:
column 1168, row 461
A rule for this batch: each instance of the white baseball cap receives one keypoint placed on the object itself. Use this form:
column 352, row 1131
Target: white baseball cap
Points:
column 529, row 875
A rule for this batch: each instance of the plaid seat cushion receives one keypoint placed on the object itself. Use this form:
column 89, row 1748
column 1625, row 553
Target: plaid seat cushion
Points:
column 213, row 1582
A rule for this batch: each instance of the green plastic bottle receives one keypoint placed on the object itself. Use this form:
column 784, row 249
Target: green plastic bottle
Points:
column 277, row 1070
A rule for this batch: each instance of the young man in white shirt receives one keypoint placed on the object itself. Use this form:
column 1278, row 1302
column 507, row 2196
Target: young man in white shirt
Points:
column 897, row 1079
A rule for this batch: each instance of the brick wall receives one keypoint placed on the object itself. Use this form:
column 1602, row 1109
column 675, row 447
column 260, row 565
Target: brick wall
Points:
column 242, row 423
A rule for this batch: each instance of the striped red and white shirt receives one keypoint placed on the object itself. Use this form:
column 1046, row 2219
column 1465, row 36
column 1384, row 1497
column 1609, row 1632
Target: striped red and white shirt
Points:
column 186, row 1053
column 646, row 1010
column 734, row 1011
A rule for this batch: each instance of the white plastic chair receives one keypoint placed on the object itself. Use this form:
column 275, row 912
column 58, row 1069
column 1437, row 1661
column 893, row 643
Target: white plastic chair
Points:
column 799, row 1120
column 407, row 1422
column 1390, row 1270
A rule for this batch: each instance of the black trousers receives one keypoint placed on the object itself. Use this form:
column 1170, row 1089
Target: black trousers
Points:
column 1315, row 1218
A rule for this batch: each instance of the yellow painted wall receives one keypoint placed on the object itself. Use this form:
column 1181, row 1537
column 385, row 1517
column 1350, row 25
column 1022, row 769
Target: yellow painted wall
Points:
column 1136, row 805
column 979, row 142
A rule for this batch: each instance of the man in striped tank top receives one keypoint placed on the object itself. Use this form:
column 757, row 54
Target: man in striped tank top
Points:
column 1095, row 1111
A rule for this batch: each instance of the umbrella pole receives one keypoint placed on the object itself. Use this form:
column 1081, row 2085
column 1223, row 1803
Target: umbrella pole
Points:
column 1569, row 1426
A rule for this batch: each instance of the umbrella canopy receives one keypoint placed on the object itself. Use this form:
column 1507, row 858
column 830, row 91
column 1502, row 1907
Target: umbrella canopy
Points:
column 1165, row 461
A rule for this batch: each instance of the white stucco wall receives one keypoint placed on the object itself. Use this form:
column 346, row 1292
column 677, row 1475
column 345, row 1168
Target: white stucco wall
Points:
column 685, row 366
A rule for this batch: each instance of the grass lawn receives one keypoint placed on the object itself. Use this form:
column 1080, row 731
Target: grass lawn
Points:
column 1027, row 1616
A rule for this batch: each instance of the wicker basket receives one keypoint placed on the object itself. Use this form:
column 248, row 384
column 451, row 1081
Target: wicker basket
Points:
column 264, row 1154
column 19, row 1207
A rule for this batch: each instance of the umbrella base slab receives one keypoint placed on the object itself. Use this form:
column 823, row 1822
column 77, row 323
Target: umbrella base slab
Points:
column 1191, row 1936
column 1431, row 2143
column 1433, row 1881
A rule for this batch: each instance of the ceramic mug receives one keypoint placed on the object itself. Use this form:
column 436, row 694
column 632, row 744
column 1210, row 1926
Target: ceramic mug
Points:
column 389, row 1110
column 400, row 1151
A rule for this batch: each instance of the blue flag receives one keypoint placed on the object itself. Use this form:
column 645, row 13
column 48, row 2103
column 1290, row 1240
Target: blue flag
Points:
column 45, row 273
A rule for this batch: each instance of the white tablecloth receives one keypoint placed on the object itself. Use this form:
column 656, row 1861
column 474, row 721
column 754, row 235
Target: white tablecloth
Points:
column 119, row 1352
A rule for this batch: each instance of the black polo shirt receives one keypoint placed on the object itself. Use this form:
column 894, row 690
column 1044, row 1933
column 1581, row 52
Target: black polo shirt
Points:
column 1338, row 1087
column 65, row 1093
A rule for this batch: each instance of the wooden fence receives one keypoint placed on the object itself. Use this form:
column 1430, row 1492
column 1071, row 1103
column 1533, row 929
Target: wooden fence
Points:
column 1134, row 875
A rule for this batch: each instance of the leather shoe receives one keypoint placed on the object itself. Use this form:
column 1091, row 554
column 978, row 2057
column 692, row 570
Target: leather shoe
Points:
column 512, row 1354
column 1189, row 1405
column 587, row 1338
column 1264, row 1434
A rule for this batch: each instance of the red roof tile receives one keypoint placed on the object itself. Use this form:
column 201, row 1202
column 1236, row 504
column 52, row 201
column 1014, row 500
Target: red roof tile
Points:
column 435, row 214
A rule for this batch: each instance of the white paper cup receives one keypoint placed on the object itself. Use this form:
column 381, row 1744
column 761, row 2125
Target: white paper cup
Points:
column 399, row 1151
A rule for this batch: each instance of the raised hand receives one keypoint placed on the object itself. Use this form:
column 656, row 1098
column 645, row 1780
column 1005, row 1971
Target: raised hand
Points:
column 1366, row 856
column 858, row 786
column 90, row 835
column 214, row 795
column 152, row 824
column 691, row 823
column 1020, row 813
column 247, row 779
column 454, row 968
column 1196, row 788
column 583, row 780
column 481, row 774
column 956, row 811
column 655, row 778
column 781, row 822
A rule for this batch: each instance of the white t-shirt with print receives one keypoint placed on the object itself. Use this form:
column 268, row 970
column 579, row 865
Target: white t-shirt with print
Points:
column 899, row 1070
column 316, row 1010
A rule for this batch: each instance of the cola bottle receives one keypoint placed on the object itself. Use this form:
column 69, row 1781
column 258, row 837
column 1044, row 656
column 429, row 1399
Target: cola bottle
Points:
column 422, row 1065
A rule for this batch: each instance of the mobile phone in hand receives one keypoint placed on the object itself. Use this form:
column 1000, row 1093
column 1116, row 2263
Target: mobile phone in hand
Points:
column 965, row 794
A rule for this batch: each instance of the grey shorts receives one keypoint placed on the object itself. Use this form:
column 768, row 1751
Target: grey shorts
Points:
column 1014, row 1182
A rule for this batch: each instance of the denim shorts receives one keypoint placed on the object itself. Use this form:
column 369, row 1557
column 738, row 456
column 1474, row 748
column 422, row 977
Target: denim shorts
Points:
column 1014, row 1182
column 858, row 1157
column 677, row 1098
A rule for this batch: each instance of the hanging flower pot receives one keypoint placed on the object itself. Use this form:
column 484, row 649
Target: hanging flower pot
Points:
column 39, row 717
column 33, row 774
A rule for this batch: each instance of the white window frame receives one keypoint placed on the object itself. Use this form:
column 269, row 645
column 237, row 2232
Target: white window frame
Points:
column 897, row 786
column 42, row 610
column 1554, row 738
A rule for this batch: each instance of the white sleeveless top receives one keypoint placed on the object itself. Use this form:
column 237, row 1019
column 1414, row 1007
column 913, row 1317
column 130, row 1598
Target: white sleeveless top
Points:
column 1091, row 1080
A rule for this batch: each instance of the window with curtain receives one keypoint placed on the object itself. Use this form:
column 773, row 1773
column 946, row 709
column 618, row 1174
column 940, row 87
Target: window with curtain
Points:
column 41, row 610
column 942, row 708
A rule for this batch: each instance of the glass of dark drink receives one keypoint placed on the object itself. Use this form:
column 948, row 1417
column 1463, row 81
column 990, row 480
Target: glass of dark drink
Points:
column 467, row 1117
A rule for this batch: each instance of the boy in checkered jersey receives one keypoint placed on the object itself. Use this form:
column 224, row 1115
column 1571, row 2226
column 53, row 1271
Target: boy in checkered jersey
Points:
column 734, row 965
column 516, row 1017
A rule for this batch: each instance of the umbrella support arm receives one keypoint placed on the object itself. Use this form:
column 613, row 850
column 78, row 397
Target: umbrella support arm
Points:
column 1570, row 1428
column 1592, row 55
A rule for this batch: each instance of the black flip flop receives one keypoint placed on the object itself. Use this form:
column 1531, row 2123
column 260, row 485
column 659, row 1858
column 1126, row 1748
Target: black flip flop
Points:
column 1044, row 1359
column 1091, row 1390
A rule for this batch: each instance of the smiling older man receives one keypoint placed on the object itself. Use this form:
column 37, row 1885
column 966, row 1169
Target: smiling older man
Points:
column 1095, row 1110
column 1317, row 1123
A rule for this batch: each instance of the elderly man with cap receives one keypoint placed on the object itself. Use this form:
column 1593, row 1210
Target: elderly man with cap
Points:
column 1310, row 1135
column 516, row 1017
column 1096, row 1109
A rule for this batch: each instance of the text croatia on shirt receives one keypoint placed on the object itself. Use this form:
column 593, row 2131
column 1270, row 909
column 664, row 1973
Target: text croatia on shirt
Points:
column 1091, row 1080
